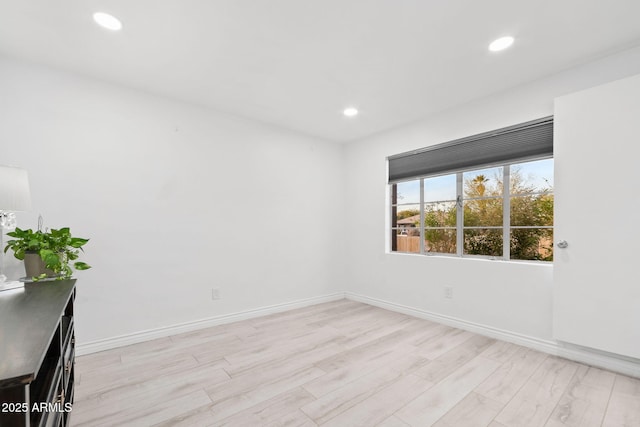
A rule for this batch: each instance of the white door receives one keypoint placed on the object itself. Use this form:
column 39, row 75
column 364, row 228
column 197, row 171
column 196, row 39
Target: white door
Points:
column 597, row 212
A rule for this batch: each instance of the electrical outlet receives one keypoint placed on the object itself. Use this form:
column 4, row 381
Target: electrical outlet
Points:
column 215, row 293
column 448, row 292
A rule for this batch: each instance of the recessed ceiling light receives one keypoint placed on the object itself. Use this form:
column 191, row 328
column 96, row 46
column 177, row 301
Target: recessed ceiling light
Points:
column 107, row 21
column 350, row 112
column 501, row 43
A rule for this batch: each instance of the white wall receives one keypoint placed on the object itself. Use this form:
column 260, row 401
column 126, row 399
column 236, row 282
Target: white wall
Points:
column 510, row 296
column 176, row 199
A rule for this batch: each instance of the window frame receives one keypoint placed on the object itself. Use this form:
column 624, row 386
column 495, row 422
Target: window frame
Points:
column 460, row 200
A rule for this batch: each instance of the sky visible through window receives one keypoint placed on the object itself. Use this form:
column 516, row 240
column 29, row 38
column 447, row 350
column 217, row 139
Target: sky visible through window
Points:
column 538, row 174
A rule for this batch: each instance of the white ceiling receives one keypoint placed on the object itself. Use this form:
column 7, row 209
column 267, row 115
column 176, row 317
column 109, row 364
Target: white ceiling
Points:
column 298, row 63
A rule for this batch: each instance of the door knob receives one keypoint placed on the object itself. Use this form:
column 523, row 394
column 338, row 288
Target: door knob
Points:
column 562, row 244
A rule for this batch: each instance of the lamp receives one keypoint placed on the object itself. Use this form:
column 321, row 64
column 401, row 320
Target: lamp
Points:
column 14, row 196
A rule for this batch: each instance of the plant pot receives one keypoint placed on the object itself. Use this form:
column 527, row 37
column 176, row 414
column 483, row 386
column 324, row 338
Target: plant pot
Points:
column 34, row 265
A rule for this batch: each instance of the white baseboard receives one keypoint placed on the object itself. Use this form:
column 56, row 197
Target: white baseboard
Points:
column 151, row 334
column 612, row 362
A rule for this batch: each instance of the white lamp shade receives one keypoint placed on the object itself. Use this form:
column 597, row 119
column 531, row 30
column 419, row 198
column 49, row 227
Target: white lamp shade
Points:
column 14, row 189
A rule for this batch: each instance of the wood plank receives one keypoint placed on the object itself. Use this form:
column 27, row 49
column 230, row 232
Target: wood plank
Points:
column 230, row 404
column 367, row 333
column 330, row 405
column 536, row 400
column 271, row 410
column 503, row 384
column 393, row 421
column 396, row 360
column 107, row 379
column 270, row 372
column 383, row 404
column 98, row 361
column 142, row 415
column 585, row 401
column 160, row 387
column 268, row 403
column 243, row 362
column 447, row 363
column 434, row 403
column 475, row 410
column 364, row 353
column 501, row 351
column 434, row 348
column 294, row 419
column 624, row 405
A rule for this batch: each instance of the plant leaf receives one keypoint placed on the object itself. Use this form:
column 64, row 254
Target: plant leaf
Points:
column 81, row 265
column 78, row 242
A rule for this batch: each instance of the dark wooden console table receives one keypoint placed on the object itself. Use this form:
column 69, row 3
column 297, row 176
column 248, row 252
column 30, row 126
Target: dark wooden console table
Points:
column 37, row 350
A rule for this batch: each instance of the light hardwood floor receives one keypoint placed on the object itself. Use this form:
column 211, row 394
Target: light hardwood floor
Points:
column 345, row 363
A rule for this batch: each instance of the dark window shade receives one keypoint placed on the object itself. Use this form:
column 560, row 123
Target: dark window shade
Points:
column 516, row 143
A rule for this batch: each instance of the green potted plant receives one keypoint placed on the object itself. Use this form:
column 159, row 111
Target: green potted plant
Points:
column 47, row 254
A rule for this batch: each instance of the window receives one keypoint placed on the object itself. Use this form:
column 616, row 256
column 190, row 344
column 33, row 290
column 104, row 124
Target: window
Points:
column 499, row 211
